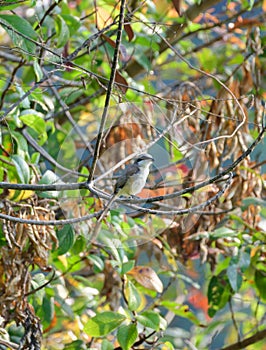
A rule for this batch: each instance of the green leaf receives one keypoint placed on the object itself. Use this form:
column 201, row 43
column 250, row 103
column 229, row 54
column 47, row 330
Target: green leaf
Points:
column 127, row 266
column 15, row 25
column 22, row 146
column 34, row 120
column 49, row 177
column 48, row 311
column 65, row 239
column 252, row 201
column 25, row 103
column 113, row 245
column 181, row 310
column 222, row 232
column 219, row 292
column 133, row 297
column 22, row 168
column 103, row 323
column 234, row 277
column 72, row 22
column 75, row 345
column 106, row 345
column 4, row 6
column 38, row 280
column 127, row 335
column 37, row 70
column 97, row 262
column 260, row 281
column 63, row 31
column 149, row 319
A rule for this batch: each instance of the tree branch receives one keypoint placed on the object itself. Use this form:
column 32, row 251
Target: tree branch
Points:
column 109, row 88
column 248, row 341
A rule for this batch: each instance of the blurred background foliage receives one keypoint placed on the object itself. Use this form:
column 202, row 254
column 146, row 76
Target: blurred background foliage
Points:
column 193, row 281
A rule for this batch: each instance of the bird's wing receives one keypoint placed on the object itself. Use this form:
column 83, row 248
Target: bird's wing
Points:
column 128, row 171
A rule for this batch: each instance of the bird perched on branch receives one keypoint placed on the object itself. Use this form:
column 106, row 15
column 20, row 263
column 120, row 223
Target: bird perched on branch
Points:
column 130, row 182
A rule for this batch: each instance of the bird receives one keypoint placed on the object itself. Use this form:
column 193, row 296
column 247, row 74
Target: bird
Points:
column 130, row 182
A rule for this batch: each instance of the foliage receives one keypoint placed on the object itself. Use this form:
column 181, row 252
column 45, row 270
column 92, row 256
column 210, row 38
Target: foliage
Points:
column 84, row 85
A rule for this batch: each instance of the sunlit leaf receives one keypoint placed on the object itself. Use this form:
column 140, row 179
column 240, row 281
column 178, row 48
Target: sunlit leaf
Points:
column 127, row 335
column 22, row 168
column 37, row 70
column 35, row 121
column 15, row 26
column 103, row 323
column 150, row 319
column 133, row 297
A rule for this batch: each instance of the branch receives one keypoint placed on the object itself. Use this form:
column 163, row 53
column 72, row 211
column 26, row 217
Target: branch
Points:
column 50, row 222
column 89, row 186
column 44, row 187
column 109, row 88
column 47, row 156
column 7, row 343
column 248, row 341
column 191, row 189
column 47, row 12
column 11, row 79
column 85, row 185
column 213, row 179
column 72, row 121
column 87, row 42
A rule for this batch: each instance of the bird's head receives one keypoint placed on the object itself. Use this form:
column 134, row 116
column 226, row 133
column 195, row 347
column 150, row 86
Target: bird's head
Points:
column 144, row 159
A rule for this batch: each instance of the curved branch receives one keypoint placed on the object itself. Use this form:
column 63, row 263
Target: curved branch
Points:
column 50, row 222
column 47, row 156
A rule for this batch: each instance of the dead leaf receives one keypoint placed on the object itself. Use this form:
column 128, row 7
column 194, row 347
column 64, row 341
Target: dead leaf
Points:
column 177, row 5
column 121, row 80
column 103, row 18
column 147, row 277
column 122, row 49
column 129, row 31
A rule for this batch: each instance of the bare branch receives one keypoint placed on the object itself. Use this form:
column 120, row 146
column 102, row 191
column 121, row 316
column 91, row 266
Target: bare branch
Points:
column 110, row 88
column 248, row 341
column 50, row 222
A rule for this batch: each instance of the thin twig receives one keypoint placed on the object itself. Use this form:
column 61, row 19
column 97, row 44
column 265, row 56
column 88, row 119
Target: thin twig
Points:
column 72, row 121
column 233, row 319
column 83, row 185
column 47, row 12
column 191, row 66
column 47, row 156
column 202, row 184
column 12, row 77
